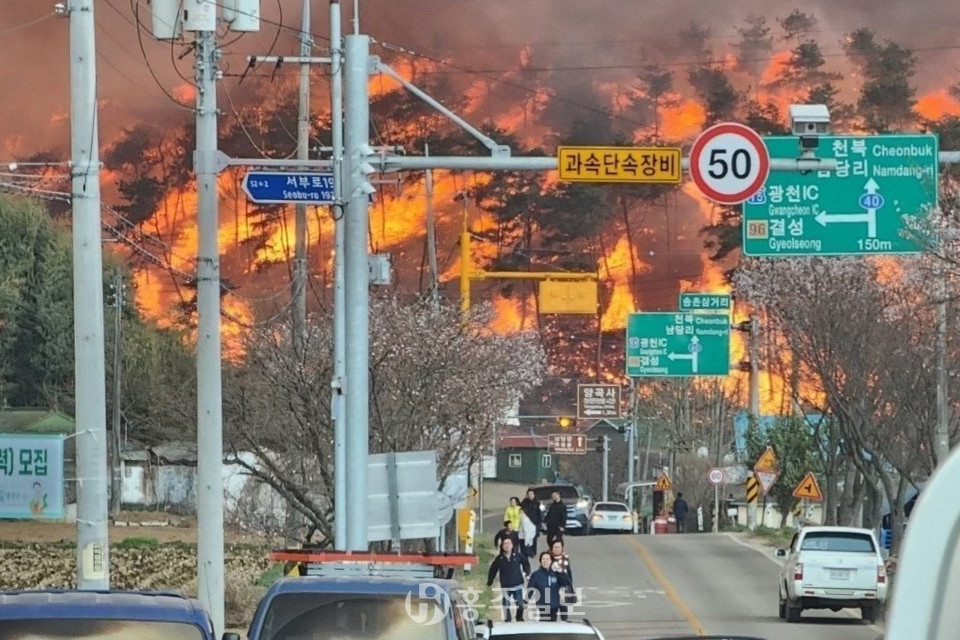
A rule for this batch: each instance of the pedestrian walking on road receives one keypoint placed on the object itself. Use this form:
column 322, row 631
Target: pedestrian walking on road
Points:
column 543, row 590
column 513, row 512
column 556, row 519
column 507, row 532
column 560, row 563
column 513, row 569
column 528, row 536
column 531, row 507
column 680, row 511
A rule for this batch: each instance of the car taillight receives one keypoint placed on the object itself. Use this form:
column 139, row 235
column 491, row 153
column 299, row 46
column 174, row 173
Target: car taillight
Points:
column 881, row 574
column 798, row 571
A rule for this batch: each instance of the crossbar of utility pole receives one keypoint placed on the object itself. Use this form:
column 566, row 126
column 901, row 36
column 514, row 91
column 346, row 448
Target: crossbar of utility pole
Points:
column 531, row 275
column 301, row 59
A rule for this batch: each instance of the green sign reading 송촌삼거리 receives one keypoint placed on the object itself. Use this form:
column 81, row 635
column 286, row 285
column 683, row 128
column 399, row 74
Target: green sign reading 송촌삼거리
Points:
column 670, row 344
column 31, row 476
column 857, row 209
column 710, row 302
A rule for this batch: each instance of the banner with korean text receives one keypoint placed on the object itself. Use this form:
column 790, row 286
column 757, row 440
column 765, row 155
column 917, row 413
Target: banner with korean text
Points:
column 31, row 476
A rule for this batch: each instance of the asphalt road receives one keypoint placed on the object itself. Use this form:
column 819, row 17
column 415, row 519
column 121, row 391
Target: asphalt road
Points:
column 641, row 586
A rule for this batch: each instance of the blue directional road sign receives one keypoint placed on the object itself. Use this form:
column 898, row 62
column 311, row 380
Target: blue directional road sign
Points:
column 279, row 187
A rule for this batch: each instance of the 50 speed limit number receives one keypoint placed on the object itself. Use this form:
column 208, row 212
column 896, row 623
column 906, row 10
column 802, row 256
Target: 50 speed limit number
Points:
column 729, row 162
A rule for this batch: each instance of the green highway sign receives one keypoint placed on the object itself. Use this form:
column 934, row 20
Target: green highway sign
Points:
column 857, row 209
column 713, row 302
column 669, row 344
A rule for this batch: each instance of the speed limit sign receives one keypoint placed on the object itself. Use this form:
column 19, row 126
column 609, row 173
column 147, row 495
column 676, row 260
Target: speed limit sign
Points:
column 716, row 476
column 729, row 162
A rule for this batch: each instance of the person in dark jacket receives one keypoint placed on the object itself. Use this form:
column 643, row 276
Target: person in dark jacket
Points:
column 556, row 519
column 507, row 532
column 543, row 589
column 680, row 511
column 560, row 564
column 531, row 507
column 513, row 568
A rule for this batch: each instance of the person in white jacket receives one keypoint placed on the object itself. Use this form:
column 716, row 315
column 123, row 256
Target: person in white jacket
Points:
column 528, row 534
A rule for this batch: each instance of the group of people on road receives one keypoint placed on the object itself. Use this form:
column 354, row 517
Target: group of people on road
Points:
column 524, row 521
column 549, row 588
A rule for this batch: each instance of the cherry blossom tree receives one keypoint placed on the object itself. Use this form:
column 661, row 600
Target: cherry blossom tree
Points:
column 435, row 384
column 867, row 336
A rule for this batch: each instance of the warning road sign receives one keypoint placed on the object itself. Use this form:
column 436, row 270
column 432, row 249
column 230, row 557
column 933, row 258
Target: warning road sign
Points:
column 664, row 484
column 767, row 461
column 766, row 480
column 753, row 490
column 809, row 488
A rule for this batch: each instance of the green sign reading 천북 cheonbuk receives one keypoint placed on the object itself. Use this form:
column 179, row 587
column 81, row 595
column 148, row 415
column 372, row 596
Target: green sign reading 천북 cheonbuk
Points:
column 857, row 209
column 669, row 344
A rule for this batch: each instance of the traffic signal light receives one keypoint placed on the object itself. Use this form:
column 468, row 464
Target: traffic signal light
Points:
column 565, row 422
column 362, row 169
column 601, row 445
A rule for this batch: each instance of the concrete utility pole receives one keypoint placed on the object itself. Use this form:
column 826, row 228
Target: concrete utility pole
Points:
column 339, row 299
column 357, row 280
column 631, row 438
column 118, row 293
column 941, row 440
column 303, row 153
column 606, row 468
column 209, row 403
column 753, row 338
column 431, row 235
column 93, row 547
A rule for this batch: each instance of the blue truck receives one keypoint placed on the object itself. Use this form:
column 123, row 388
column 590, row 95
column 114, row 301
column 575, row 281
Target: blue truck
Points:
column 103, row 615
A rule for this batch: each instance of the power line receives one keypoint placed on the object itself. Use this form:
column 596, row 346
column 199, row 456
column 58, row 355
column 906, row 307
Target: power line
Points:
column 27, row 24
column 517, row 85
column 153, row 75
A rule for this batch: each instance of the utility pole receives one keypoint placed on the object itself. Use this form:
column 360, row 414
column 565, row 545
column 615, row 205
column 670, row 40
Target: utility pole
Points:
column 118, row 293
column 754, row 351
column 339, row 299
column 431, row 235
column 357, row 279
column 209, row 403
column 300, row 223
column 603, row 446
column 941, row 440
column 631, row 437
column 93, row 545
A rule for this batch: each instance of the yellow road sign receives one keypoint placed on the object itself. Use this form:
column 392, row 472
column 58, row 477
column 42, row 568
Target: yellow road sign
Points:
column 620, row 164
column 664, row 484
column 808, row 488
column 568, row 296
column 767, row 461
column 753, row 489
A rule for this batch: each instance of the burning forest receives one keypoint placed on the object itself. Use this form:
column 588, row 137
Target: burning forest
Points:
column 653, row 77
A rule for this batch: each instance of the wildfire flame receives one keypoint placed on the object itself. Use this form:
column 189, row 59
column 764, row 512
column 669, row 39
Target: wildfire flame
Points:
column 937, row 105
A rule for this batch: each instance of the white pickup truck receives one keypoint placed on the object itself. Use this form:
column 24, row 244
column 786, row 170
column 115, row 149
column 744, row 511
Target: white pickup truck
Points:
column 832, row 568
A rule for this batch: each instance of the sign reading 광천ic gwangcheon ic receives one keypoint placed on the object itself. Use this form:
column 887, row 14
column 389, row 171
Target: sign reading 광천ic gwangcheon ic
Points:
column 857, row 209
column 31, row 476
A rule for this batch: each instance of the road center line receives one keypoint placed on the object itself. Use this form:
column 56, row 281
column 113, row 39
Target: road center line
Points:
column 668, row 589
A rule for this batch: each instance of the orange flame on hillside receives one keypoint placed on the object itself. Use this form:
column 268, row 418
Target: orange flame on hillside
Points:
column 515, row 314
column 937, row 105
column 776, row 68
column 617, row 267
column 682, row 122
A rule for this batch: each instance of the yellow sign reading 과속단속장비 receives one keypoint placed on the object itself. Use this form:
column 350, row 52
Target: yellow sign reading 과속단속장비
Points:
column 620, row 164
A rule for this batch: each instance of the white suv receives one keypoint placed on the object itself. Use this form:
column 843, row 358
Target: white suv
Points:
column 579, row 630
column 832, row 568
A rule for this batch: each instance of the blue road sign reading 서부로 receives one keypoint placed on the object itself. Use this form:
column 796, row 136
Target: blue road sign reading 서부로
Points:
column 279, row 187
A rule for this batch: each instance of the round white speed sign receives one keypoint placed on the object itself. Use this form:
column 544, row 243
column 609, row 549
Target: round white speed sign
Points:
column 715, row 475
column 729, row 162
